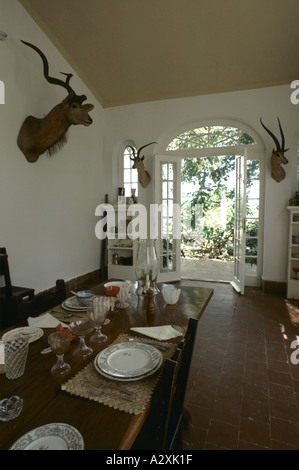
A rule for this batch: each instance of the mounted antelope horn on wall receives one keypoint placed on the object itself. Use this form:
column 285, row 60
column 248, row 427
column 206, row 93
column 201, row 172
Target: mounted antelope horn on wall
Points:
column 144, row 177
column 37, row 136
column 277, row 157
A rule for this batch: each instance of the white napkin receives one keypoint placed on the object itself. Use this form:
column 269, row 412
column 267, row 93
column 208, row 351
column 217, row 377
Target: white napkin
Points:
column 158, row 332
column 44, row 321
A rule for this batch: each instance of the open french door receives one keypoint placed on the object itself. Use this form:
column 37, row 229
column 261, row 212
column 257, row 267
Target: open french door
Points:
column 168, row 199
column 238, row 281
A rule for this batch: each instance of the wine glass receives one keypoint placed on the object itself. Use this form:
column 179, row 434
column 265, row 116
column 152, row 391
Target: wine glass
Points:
column 98, row 314
column 111, row 290
column 103, row 301
column 81, row 329
column 59, row 343
column 123, row 295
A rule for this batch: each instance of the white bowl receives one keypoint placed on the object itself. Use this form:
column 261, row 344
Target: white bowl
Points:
column 116, row 283
column 171, row 294
column 85, row 296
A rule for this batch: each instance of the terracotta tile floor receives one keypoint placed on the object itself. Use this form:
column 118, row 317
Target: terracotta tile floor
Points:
column 243, row 389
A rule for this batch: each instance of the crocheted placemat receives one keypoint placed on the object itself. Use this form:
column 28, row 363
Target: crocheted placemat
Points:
column 128, row 396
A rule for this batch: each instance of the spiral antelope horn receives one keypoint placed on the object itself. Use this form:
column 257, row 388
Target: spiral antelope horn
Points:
column 55, row 81
column 279, row 147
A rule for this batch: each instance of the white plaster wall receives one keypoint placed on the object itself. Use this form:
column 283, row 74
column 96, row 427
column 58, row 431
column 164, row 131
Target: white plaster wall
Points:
column 155, row 121
column 47, row 208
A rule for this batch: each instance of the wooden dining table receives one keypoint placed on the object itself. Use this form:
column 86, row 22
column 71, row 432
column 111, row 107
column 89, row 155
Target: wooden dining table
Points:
column 101, row 426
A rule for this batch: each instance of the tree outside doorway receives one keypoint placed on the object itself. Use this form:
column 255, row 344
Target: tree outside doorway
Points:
column 208, row 193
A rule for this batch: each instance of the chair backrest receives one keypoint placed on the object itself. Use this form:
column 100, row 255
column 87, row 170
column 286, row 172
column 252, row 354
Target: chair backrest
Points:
column 4, row 271
column 179, row 371
column 163, row 427
column 40, row 302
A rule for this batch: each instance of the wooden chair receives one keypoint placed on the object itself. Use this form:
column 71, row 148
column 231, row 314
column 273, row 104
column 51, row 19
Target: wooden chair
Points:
column 163, row 429
column 9, row 289
column 40, row 302
column 8, row 293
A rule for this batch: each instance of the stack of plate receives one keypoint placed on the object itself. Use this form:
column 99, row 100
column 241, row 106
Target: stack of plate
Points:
column 72, row 304
column 128, row 361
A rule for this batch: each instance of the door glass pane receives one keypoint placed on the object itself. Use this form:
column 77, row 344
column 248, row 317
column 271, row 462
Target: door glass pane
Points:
column 167, row 256
column 252, row 209
column 164, row 190
column 164, row 208
column 252, row 217
column 164, row 226
column 164, row 171
column 251, row 266
column 252, row 227
column 251, row 246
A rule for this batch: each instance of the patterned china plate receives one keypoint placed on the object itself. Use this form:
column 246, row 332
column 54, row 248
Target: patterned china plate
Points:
column 73, row 304
column 128, row 360
column 28, row 332
column 53, row 436
column 129, row 379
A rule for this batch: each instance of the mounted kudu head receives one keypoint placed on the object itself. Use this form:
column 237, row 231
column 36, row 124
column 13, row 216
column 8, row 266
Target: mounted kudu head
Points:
column 37, row 136
column 144, row 177
column 277, row 157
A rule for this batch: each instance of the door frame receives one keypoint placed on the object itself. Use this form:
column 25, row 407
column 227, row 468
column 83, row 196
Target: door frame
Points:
column 238, row 281
column 169, row 256
column 256, row 151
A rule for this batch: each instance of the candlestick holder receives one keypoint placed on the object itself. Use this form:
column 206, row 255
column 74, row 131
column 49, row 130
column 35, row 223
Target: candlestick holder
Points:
column 147, row 266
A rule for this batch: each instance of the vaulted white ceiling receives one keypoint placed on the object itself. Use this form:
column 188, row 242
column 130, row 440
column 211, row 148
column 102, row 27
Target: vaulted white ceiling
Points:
column 132, row 51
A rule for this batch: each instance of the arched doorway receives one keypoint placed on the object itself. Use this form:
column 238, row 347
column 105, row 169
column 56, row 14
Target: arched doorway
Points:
column 205, row 157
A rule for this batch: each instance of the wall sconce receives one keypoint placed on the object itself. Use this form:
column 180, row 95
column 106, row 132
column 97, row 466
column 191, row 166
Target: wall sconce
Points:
column 3, row 36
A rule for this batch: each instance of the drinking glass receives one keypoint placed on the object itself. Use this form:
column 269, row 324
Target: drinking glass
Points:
column 123, row 295
column 81, row 329
column 112, row 291
column 59, row 344
column 15, row 353
column 105, row 302
column 98, row 314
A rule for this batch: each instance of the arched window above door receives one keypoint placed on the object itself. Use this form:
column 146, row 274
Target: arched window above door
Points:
column 210, row 137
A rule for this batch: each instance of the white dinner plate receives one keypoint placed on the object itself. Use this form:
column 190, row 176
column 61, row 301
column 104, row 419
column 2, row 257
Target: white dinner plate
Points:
column 53, row 436
column 31, row 333
column 128, row 360
column 129, row 379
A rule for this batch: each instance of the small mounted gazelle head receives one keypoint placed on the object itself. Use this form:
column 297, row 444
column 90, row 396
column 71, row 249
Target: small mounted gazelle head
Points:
column 144, row 177
column 277, row 158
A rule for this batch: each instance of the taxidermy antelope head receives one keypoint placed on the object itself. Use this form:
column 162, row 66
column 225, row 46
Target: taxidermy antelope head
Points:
column 144, row 177
column 277, row 157
column 37, row 136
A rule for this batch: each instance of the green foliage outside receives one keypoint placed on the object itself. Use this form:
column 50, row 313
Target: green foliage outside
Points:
column 213, row 188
